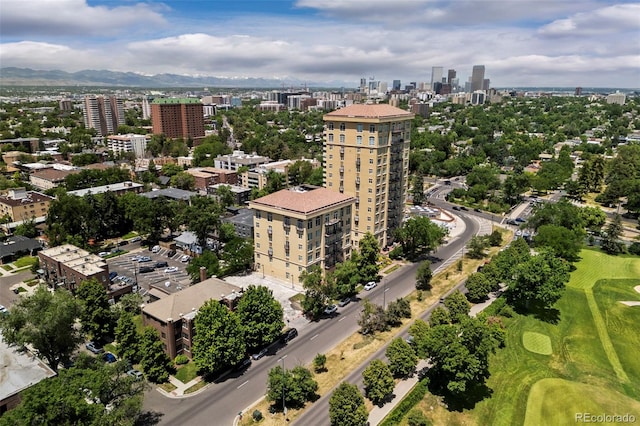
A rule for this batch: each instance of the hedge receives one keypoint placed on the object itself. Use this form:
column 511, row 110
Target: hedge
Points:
column 401, row 410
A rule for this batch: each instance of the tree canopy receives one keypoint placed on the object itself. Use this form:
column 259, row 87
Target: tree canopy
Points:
column 346, row 406
column 261, row 316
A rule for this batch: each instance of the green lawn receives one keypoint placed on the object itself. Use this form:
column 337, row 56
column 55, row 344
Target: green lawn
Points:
column 595, row 347
column 129, row 235
column 25, row 261
column 187, row 372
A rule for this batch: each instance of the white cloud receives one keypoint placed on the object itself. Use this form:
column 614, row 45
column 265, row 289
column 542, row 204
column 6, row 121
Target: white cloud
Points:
column 612, row 19
column 74, row 17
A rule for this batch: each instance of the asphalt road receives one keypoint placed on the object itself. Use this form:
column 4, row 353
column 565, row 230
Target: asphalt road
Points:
column 221, row 402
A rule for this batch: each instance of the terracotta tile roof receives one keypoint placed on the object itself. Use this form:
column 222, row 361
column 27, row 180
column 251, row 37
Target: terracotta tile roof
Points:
column 369, row 111
column 302, row 201
column 53, row 175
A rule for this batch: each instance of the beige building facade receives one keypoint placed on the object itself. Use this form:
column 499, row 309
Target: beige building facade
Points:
column 297, row 228
column 366, row 156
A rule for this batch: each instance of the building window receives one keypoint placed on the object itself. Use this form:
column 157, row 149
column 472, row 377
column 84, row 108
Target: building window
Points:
column 300, row 258
column 372, row 141
column 330, row 125
column 269, row 217
column 287, row 275
column 342, row 139
column 299, row 246
column 310, row 246
column 370, row 171
column 310, row 258
column 258, row 245
column 359, row 140
column 318, row 220
column 360, row 127
column 258, row 214
column 330, row 137
column 257, row 235
column 372, row 128
column 309, row 224
column 286, row 265
column 370, row 160
column 342, row 127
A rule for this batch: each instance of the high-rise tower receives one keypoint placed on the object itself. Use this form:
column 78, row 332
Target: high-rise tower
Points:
column 436, row 76
column 178, row 118
column 366, row 154
column 477, row 78
column 104, row 114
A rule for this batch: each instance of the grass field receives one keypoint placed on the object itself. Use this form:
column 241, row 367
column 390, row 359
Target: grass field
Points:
column 595, row 346
column 537, row 343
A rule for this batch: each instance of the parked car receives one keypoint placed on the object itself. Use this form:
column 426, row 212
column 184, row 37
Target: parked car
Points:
column 260, row 354
column 344, row 302
column 464, row 208
column 185, row 258
column 161, row 264
column 288, row 335
column 144, row 259
column 135, row 258
column 135, row 239
column 94, row 348
column 145, row 269
column 3, row 310
column 370, row 285
column 330, row 310
column 456, row 208
column 136, row 374
column 477, row 210
column 109, row 358
column 155, row 249
column 103, row 254
column 112, row 275
column 171, row 253
column 520, row 220
column 171, row 269
column 245, row 363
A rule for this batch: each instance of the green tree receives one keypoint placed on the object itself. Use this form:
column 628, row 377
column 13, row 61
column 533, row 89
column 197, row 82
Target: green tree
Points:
column 457, row 305
column 347, row 278
column 372, row 318
column 566, row 243
column 417, row 189
column 420, row 235
column 27, row 229
column 46, row 322
column 478, row 286
column 238, row 255
column 318, row 291
column 207, row 260
column 397, row 310
column 154, row 361
column 402, row 358
column 610, row 243
column 202, row 217
column 476, row 247
column 423, row 276
column 367, row 258
column 320, row 363
column 183, row 180
column 378, row 381
column 539, row 281
column 346, row 406
column 261, row 317
column 296, row 386
column 440, row 316
column 96, row 316
column 171, row 170
column 219, row 340
column 128, row 338
column 300, row 172
column 225, row 196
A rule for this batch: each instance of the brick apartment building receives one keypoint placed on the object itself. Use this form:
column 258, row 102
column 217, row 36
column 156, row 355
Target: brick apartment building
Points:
column 67, row 266
column 209, row 176
column 178, row 118
column 173, row 315
column 21, row 205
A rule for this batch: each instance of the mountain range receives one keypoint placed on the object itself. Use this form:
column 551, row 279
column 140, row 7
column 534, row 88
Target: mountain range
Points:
column 12, row 76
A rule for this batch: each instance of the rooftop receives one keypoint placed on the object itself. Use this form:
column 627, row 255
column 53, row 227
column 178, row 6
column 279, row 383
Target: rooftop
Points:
column 169, row 101
column 18, row 197
column 369, row 111
column 19, row 370
column 173, row 306
column 76, row 258
column 302, row 200
column 175, row 193
column 120, row 186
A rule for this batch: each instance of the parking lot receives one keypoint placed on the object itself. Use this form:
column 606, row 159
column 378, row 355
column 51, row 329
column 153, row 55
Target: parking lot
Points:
column 127, row 268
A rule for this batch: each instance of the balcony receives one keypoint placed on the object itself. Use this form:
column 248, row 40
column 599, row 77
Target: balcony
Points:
column 286, row 225
column 270, row 230
column 270, row 252
column 358, row 162
column 286, row 245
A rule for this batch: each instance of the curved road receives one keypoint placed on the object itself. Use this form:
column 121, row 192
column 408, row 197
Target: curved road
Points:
column 221, row 402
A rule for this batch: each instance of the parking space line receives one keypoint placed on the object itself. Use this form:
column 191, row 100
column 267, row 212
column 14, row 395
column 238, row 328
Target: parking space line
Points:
column 314, row 337
column 243, row 384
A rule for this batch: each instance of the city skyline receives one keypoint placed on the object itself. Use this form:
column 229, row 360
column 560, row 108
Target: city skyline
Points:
column 524, row 43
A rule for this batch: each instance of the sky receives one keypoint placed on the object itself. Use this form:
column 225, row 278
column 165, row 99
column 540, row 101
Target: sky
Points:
column 559, row 43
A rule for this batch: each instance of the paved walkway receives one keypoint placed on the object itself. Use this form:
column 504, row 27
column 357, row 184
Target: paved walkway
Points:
column 179, row 391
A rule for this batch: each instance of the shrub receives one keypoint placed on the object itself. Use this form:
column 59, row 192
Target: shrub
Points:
column 257, row 415
column 319, row 363
column 417, row 418
column 396, row 253
column 181, row 359
column 415, row 396
column 635, row 249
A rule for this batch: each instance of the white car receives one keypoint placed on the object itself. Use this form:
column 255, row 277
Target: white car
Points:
column 370, row 285
column 171, row 269
column 185, row 258
column 155, row 249
column 103, row 254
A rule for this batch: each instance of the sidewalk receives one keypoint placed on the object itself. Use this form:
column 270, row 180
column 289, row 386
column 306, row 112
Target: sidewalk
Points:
column 178, row 392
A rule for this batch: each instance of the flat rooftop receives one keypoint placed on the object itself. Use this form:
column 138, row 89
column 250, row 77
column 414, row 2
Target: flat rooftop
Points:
column 121, row 186
column 19, row 370
column 302, row 200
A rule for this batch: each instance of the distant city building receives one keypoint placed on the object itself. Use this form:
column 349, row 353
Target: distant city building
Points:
column 103, row 113
column 396, row 85
column 421, row 109
column 31, row 144
column 485, row 84
column 478, row 97
column 259, row 177
column 241, row 195
column 366, row 154
column 242, row 221
column 301, row 227
column 128, row 143
column 206, row 176
column 451, row 75
column 578, row 91
column 117, row 188
column 65, row 105
column 178, row 118
column 49, row 178
column 239, row 159
column 477, row 78
column 436, row 76
column 20, row 204
column 146, row 108
column 616, row 98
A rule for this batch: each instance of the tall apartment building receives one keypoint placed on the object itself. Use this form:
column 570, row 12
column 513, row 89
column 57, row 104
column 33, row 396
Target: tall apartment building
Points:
column 104, row 114
column 128, row 143
column 366, row 154
column 477, row 78
column 178, row 118
column 297, row 228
